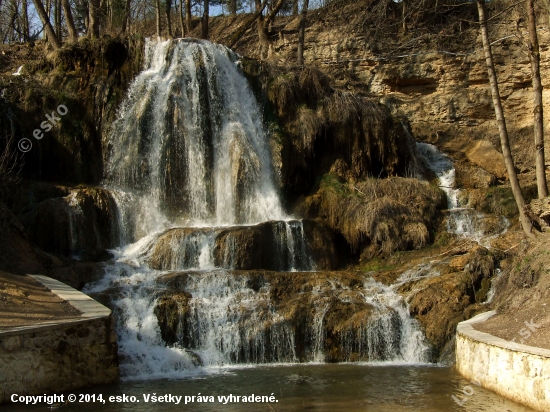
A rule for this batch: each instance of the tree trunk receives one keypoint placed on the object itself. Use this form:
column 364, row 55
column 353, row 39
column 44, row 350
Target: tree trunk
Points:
column 302, row 34
column 73, row 33
column 48, row 10
column 404, row 14
column 93, row 25
column 25, row 17
column 239, row 33
column 168, row 20
column 159, row 28
column 57, row 18
column 262, row 25
column 188, row 16
column 232, row 7
column 534, row 56
column 504, row 141
column 47, row 25
column 14, row 12
column 182, row 24
column 126, row 19
column 294, row 7
column 204, row 22
column 263, row 37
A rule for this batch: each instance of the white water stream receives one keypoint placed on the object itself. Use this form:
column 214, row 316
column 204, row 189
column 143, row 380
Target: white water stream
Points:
column 463, row 221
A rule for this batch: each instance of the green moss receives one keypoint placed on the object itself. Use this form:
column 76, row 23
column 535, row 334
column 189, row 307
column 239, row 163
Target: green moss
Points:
column 500, row 200
column 331, row 182
column 481, row 293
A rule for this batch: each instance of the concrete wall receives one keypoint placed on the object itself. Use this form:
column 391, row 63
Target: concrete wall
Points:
column 60, row 356
column 517, row 372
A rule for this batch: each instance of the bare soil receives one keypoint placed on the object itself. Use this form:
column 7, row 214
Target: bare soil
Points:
column 25, row 301
column 523, row 297
column 529, row 327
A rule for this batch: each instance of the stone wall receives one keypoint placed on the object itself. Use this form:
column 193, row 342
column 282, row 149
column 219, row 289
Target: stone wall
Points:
column 59, row 356
column 515, row 371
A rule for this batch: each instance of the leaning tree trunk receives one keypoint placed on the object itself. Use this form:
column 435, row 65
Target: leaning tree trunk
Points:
column 404, row 15
column 504, row 141
column 534, row 56
column 302, row 34
column 71, row 28
column 52, row 39
column 204, row 22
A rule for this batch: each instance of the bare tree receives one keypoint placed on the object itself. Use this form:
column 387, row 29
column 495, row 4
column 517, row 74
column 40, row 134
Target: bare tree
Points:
column 126, row 19
column 168, row 20
column 73, row 33
column 93, row 24
column 302, row 34
column 52, row 39
column 499, row 113
column 232, row 7
column 11, row 163
column 159, row 28
column 57, row 18
column 182, row 24
column 534, row 56
column 204, row 21
column 188, row 16
column 25, row 19
column 262, row 24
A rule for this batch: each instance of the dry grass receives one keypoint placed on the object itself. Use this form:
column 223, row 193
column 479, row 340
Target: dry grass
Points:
column 356, row 127
column 383, row 215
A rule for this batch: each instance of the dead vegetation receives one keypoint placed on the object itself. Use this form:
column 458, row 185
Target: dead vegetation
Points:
column 378, row 216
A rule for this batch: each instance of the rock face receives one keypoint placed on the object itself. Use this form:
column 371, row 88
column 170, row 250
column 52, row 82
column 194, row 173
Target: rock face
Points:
column 315, row 128
column 483, row 154
column 438, row 81
column 440, row 302
column 89, row 79
column 17, row 254
column 271, row 245
column 83, row 223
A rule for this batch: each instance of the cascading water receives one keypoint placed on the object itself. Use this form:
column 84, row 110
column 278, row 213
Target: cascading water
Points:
column 190, row 170
column 190, row 140
column 463, row 221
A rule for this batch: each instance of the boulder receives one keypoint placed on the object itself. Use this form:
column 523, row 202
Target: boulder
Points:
column 483, row 154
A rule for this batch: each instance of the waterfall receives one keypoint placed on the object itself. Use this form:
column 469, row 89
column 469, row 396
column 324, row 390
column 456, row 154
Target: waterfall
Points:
column 190, row 140
column 463, row 221
column 207, row 255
